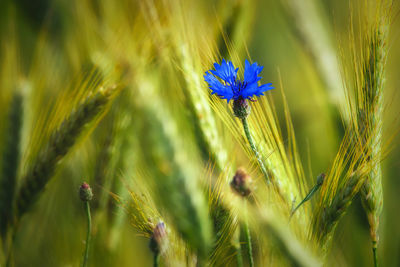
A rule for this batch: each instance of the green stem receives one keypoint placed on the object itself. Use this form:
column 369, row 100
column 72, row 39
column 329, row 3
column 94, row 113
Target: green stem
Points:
column 10, row 245
column 254, row 148
column 10, row 258
column 239, row 257
column 248, row 237
column 238, row 246
column 374, row 251
column 89, row 230
column 156, row 259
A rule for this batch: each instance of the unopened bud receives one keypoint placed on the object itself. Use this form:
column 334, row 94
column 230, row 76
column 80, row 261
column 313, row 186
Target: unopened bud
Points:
column 241, row 108
column 158, row 239
column 85, row 192
column 241, row 183
column 320, row 179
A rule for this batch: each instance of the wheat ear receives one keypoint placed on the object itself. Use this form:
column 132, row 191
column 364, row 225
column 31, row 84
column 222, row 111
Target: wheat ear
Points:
column 60, row 142
column 332, row 213
column 370, row 122
column 8, row 178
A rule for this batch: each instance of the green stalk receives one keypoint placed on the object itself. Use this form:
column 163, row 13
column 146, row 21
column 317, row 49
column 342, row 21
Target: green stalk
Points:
column 239, row 257
column 374, row 251
column 254, row 148
column 10, row 253
column 89, row 230
column 248, row 237
column 156, row 259
column 238, row 247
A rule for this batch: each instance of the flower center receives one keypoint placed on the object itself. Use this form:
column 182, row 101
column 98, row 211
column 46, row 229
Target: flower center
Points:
column 238, row 86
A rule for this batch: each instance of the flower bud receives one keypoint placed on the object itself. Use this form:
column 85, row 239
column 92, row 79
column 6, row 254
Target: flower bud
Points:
column 158, row 239
column 85, row 192
column 241, row 183
column 320, row 179
column 241, row 108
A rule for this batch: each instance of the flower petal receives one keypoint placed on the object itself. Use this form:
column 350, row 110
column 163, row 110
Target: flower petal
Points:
column 255, row 90
column 226, row 71
column 223, row 91
column 251, row 72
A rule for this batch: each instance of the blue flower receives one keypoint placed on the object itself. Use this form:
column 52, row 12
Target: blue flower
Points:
column 223, row 81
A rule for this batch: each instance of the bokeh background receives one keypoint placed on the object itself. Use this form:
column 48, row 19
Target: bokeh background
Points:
column 58, row 38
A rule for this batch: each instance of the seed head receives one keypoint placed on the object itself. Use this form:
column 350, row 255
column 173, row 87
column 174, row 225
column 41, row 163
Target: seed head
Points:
column 241, row 183
column 158, row 239
column 241, row 108
column 85, row 192
column 320, row 179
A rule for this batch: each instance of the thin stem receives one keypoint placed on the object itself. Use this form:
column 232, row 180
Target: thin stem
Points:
column 89, row 230
column 9, row 261
column 239, row 257
column 156, row 259
column 10, row 253
column 10, row 258
column 375, row 252
column 248, row 237
column 254, row 148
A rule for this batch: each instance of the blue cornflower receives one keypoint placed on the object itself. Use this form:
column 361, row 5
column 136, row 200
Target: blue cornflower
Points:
column 233, row 88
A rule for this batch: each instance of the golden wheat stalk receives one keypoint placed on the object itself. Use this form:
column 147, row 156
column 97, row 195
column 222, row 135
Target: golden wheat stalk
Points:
column 173, row 178
column 60, row 142
column 204, row 118
column 175, row 190
column 370, row 115
column 343, row 182
column 333, row 212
